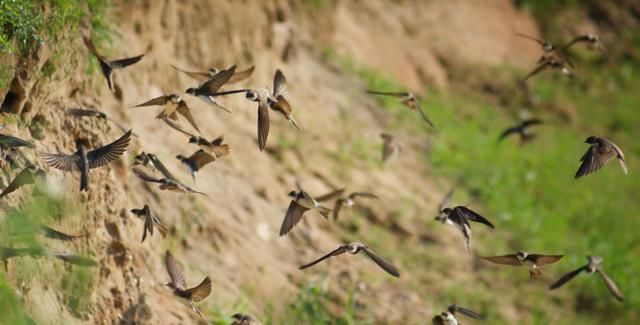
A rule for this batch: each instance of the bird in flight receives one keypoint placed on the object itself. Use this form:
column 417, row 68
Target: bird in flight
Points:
column 84, row 160
column 172, row 106
column 107, row 66
column 448, row 317
column 179, row 285
column 211, row 72
column 81, row 112
column 390, row 147
column 600, row 152
column 346, row 201
column 208, row 90
column 594, row 265
column 166, row 183
column 592, row 41
column 407, row 99
column 521, row 130
column 459, row 217
column 215, row 147
column 301, row 202
column 354, row 248
column 533, row 261
column 151, row 221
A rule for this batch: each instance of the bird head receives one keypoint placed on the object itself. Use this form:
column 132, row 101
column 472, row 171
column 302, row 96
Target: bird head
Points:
column 446, row 315
column 171, row 285
column 548, row 47
column 591, row 140
column 136, row 211
column 521, row 255
column 252, row 95
column 446, row 211
column 213, row 71
column 82, row 142
column 293, row 194
column 193, row 139
column 175, row 98
column 191, row 91
column 181, row 157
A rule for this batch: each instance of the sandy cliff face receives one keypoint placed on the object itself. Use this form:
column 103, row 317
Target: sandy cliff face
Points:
column 233, row 234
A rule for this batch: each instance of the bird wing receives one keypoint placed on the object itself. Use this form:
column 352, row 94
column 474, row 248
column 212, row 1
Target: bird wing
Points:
column 158, row 101
column 55, row 234
column 106, row 154
column 535, row 71
column 125, row 62
column 197, row 75
column 201, row 158
column 472, row 215
column 445, row 200
column 11, row 141
column 163, row 169
column 292, row 217
column 145, row 176
column 148, row 223
column 565, row 278
column 338, row 251
column 177, row 127
column 593, row 160
column 437, row 320
column 279, row 87
column 24, row 177
column 85, row 112
column 89, row 44
column 67, row 163
column 531, row 122
column 507, row 132
column 581, row 38
column 423, row 114
column 510, row 259
column 541, row 260
column 175, row 272
column 382, row 263
column 387, row 149
column 537, row 40
column 331, row 195
column 336, row 208
column 464, row 311
column 201, row 291
column 216, row 82
column 363, row 194
column 384, row 93
column 241, row 75
column 184, row 110
column 263, row 124
column 218, row 141
column 613, row 288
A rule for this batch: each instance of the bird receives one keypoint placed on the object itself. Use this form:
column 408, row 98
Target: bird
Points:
column 179, row 286
column 281, row 104
column 549, row 63
column 107, row 66
column 442, row 217
column 209, row 89
column 172, row 104
column 72, row 258
column 592, row 40
column 215, row 147
column 83, row 160
column 301, row 202
column 354, row 248
column 521, row 130
column 150, row 220
column 211, row 72
column 459, row 217
column 533, row 261
column 348, row 201
column 600, row 152
column 593, row 265
column 196, row 161
column 166, row 183
column 390, row 146
column 448, row 317
column 28, row 175
column 81, row 112
column 58, row 235
column 261, row 97
column 243, row 319
column 407, row 99
column 550, row 51
column 9, row 141
column 153, row 162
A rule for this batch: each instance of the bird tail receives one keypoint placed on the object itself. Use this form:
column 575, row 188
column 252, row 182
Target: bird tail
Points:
column 292, row 121
column 623, row 165
column 84, row 181
column 535, row 273
column 324, row 211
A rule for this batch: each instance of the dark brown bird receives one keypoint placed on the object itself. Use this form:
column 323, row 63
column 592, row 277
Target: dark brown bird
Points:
column 166, row 183
column 211, row 72
column 407, row 99
column 153, row 162
column 348, row 201
column 243, row 319
column 278, row 102
column 533, row 261
column 216, row 147
column 390, row 147
column 261, row 97
column 448, row 317
column 196, row 161
column 354, row 248
column 81, row 112
column 150, row 221
column 209, row 89
column 9, row 141
column 107, row 66
column 549, row 63
column 521, row 130
column 301, row 202
column 600, row 152
column 83, row 160
column 179, row 285
column 58, row 235
column 459, row 217
column 594, row 265
column 173, row 105
column 28, row 175
column 592, row 41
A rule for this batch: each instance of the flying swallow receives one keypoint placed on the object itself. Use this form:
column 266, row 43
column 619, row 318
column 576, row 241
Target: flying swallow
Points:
column 550, row 51
column 209, row 89
column 215, row 147
column 211, row 72
column 354, row 248
column 281, row 104
column 407, row 99
column 153, row 162
column 442, row 217
column 150, row 221
column 301, row 202
column 58, row 235
column 28, row 175
column 594, row 265
column 107, row 66
column 172, row 104
column 262, row 98
column 550, row 63
column 196, row 161
column 243, row 319
column 179, row 285
column 592, row 40
column 448, row 317
column 390, row 146
column 83, row 160
column 165, row 182
column 521, row 130
column 348, row 201
column 81, row 112
column 459, row 217
column 600, row 152
column 533, row 261
column 8, row 141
